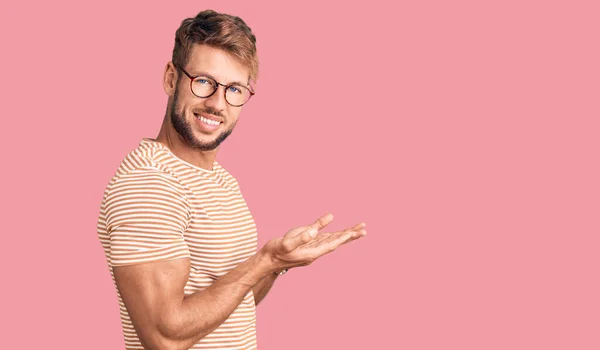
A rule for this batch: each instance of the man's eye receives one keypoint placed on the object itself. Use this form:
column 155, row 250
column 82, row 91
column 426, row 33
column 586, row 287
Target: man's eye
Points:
column 235, row 89
column 202, row 81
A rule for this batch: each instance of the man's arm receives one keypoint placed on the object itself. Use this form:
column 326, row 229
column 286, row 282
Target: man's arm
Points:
column 261, row 289
column 164, row 318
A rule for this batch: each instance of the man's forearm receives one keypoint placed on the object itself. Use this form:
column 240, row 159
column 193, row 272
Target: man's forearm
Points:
column 261, row 289
column 202, row 312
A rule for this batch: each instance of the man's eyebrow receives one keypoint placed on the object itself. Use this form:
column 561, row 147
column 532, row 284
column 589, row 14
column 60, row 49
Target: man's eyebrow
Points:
column 204, row 74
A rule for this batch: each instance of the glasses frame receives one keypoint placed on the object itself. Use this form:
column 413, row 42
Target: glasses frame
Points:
column 192, row 78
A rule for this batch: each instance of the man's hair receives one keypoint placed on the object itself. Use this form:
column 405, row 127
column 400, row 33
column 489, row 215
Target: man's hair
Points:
column 226, row 32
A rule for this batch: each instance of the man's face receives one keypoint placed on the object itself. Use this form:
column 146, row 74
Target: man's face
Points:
column 188, row 112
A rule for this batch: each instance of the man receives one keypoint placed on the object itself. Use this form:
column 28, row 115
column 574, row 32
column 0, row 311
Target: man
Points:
column 179, row 239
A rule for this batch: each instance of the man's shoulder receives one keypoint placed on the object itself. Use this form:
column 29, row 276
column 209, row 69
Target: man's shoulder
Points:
column 142, row 166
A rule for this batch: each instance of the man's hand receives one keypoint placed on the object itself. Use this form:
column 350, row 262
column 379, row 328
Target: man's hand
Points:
column 302, row 245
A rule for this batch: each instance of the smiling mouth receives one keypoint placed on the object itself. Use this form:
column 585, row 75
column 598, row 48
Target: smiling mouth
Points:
column 207, row 121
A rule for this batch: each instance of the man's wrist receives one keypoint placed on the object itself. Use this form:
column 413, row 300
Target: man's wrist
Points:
column 265, row 263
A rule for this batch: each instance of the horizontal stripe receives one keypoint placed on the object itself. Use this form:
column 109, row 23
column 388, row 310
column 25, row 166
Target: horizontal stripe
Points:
column 158, row 207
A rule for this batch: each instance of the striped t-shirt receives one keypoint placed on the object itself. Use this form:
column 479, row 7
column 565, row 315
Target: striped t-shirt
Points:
column 158, row 207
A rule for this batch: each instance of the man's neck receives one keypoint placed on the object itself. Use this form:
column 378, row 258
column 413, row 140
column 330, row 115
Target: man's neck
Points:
column 201, row 159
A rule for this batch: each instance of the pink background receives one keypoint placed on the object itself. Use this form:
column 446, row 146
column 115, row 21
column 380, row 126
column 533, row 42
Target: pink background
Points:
column 464, row 133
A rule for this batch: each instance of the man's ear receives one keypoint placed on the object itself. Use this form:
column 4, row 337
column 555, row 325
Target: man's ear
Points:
column 170, row 79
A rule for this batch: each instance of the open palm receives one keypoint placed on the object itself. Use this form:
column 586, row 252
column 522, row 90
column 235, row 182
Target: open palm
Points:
column 302, row 245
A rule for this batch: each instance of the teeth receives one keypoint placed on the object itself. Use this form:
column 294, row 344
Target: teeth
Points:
column 208, row 121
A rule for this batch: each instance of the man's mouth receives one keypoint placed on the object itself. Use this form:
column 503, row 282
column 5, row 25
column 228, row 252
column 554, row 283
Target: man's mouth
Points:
column 208, row 121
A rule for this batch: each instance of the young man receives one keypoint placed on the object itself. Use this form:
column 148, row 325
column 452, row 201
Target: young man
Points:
column 179, row 239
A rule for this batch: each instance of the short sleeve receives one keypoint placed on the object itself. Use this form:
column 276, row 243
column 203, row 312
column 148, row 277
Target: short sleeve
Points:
column 147, row 214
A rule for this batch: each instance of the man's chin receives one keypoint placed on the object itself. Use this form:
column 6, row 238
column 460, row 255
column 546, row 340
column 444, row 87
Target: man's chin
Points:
column 204, row 146
column 204, row 142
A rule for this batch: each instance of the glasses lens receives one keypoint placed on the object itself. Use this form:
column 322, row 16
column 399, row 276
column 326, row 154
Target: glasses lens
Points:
column 203, row 86
column 237, row 95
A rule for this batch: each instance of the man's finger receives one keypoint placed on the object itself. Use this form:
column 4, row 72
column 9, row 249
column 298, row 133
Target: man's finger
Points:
column 335, row 241
column 291, row 243
column 360, row 234
column 358, row 226
column 354, row 235
column 325, row 238
column 326, row 241
column 322, row 221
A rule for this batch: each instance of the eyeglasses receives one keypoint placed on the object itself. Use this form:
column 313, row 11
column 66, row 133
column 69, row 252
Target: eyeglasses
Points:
column 204, row 87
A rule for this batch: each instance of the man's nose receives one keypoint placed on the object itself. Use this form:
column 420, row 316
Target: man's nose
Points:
column 217, row 100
